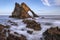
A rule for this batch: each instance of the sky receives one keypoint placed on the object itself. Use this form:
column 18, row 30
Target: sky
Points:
column 40, row 7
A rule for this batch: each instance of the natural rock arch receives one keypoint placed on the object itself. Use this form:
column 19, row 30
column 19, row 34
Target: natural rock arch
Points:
column 21, row 11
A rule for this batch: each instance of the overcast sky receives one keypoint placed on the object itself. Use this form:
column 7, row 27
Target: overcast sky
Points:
column 40, row 7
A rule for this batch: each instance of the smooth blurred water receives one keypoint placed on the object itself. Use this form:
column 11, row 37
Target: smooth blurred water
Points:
column 47, row 22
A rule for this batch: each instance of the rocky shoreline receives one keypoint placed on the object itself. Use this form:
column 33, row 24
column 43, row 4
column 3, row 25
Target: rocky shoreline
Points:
column 21, row 12
column 52, row 33
column 6, row 35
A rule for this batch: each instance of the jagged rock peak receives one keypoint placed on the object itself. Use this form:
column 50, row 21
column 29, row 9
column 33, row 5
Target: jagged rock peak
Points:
column 17, row 4
column 23, row 4
column 21, row 11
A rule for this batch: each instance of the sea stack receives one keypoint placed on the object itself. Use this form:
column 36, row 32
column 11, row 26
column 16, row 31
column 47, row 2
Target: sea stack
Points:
column 21, row 11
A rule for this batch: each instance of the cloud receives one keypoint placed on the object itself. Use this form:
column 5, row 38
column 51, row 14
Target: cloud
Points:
column 51, row 2
column 57, row 2
column 45, row 2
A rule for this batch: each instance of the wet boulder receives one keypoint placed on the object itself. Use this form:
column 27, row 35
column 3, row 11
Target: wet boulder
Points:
column 6, row 35
column 32, row 24
column 3, row 31
column 30, row 32
column 1, row 27
column 48, row 23
column 2, row 36
column 12, row 23
column 13, row 37
column 52, row 34
column 23, row 37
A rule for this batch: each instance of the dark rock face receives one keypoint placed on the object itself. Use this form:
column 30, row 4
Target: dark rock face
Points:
column 16, row 10
column 52, row 34
column 21, row 11
column 12, row 23
column 34, row 15
column 2, row 32
column 32, row 24
column 30, row 32
column 12, row 37
column 48, row 23
column 1, row 27
column 3, row 35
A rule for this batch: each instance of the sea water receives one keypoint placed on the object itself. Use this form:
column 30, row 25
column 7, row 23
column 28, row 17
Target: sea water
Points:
column 47, row 22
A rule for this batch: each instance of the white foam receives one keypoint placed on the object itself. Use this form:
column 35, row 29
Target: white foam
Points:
column 36, row 35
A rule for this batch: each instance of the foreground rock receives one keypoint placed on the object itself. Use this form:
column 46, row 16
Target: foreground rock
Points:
column 3, row 32
column 21, row 11
column 32, row 24
column 6, row 35
column 2, row 36
column 13, row 37
column 12, row 23
column 1, row 27
column 52, row 34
